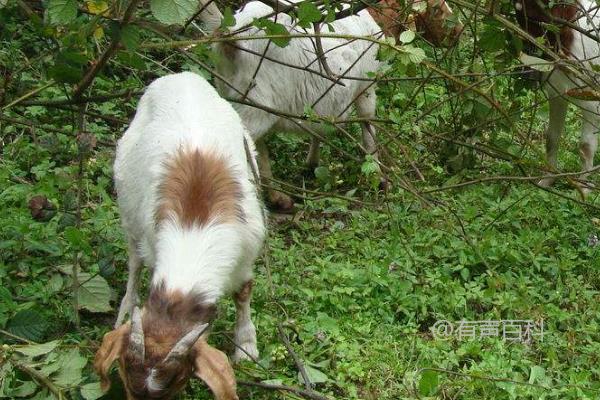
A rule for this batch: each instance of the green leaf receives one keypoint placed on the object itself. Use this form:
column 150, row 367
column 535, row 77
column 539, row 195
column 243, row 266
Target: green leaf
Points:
column 308, row 13
column 132, row 60
column 537, row 374
column 130, row 37
column 173, row 11
column 35, row 350
column 28, row 324
column 428, row 383
column 407, row 36
column 322, row 173
column 536, row 63
column 65, row 73
column 70, row 368
column 91, row 391
column 272, row 28
column 492, row 38
column 94, row 293
column 25, row 389
column 74, row 236
column 228, row 18
column 313, row 374
column 415, row 54
column 62, row 11
column 369, row 166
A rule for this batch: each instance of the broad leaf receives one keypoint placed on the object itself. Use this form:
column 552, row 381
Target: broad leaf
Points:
column 94, row 293
column 91, row 391
column 228, row 18
column 130, row 37
column 407, row 36
column 537, row 374
column 428, row 383
column 62, row 11
column 25, row 389
column 173, row 11
column 313, row 374
column 308, row 13
column 272, row 28
column 70, row 368
column 536, row 63
column 35, row 350
column 28, row 324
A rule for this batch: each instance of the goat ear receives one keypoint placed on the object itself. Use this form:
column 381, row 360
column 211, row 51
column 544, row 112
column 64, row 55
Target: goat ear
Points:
column 212, row 366
column 112, row 347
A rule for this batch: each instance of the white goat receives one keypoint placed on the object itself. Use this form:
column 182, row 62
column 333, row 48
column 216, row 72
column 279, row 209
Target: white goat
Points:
column 577, row 47
column 189, row 206
column 277, row 86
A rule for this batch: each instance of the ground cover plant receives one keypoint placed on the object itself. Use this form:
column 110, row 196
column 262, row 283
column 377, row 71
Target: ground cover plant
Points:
column 351, row 284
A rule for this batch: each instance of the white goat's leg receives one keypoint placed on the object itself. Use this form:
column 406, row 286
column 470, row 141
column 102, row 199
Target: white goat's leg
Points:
column 556, row 125
column 278, row 200
column 588, row 144
column 133, row 283
column 312, row 161
column 245, row 332
column 365, row 108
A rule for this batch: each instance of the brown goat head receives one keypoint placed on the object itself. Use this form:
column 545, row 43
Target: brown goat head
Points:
column 162, row 347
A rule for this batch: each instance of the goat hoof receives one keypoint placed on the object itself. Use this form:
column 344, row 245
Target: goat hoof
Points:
column 585, row 189
column 384, row 185
column 281, row 202
column 308, row 172
column 546, row 182
column 311, row 165
column 248, row 351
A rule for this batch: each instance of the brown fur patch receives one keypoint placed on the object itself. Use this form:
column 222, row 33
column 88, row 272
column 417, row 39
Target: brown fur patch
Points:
column 532, row 18
column 243, row 295
column 388, row 15
column 432, row 22
column 112, row 347
column 199, row 187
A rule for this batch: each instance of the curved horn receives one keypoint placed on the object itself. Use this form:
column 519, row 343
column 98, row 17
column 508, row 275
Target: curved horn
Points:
column 136, row 337
column 182, row 348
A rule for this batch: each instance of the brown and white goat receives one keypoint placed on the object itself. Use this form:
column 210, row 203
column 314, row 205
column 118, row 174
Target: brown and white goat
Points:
column 189, row 206
column 572, row 19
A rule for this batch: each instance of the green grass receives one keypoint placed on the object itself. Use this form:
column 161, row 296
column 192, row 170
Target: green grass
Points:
column 356, row 286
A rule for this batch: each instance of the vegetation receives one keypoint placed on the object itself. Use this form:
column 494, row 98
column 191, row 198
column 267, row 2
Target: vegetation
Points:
column 352, row 282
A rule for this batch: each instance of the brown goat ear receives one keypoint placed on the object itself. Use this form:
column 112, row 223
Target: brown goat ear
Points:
column 112, row 347
column 212, row 366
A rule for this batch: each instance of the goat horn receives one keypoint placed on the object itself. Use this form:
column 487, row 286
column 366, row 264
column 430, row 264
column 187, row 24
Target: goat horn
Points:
column 183, row 346
column 136, row 337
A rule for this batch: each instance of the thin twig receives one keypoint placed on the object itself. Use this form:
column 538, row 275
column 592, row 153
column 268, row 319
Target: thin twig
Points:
column 321, row 54
column 299, row 364
column 510, row 178
column 312, row 395
column 16, row 337
column 125, row 95
column 38, row 377
column 28, row 95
